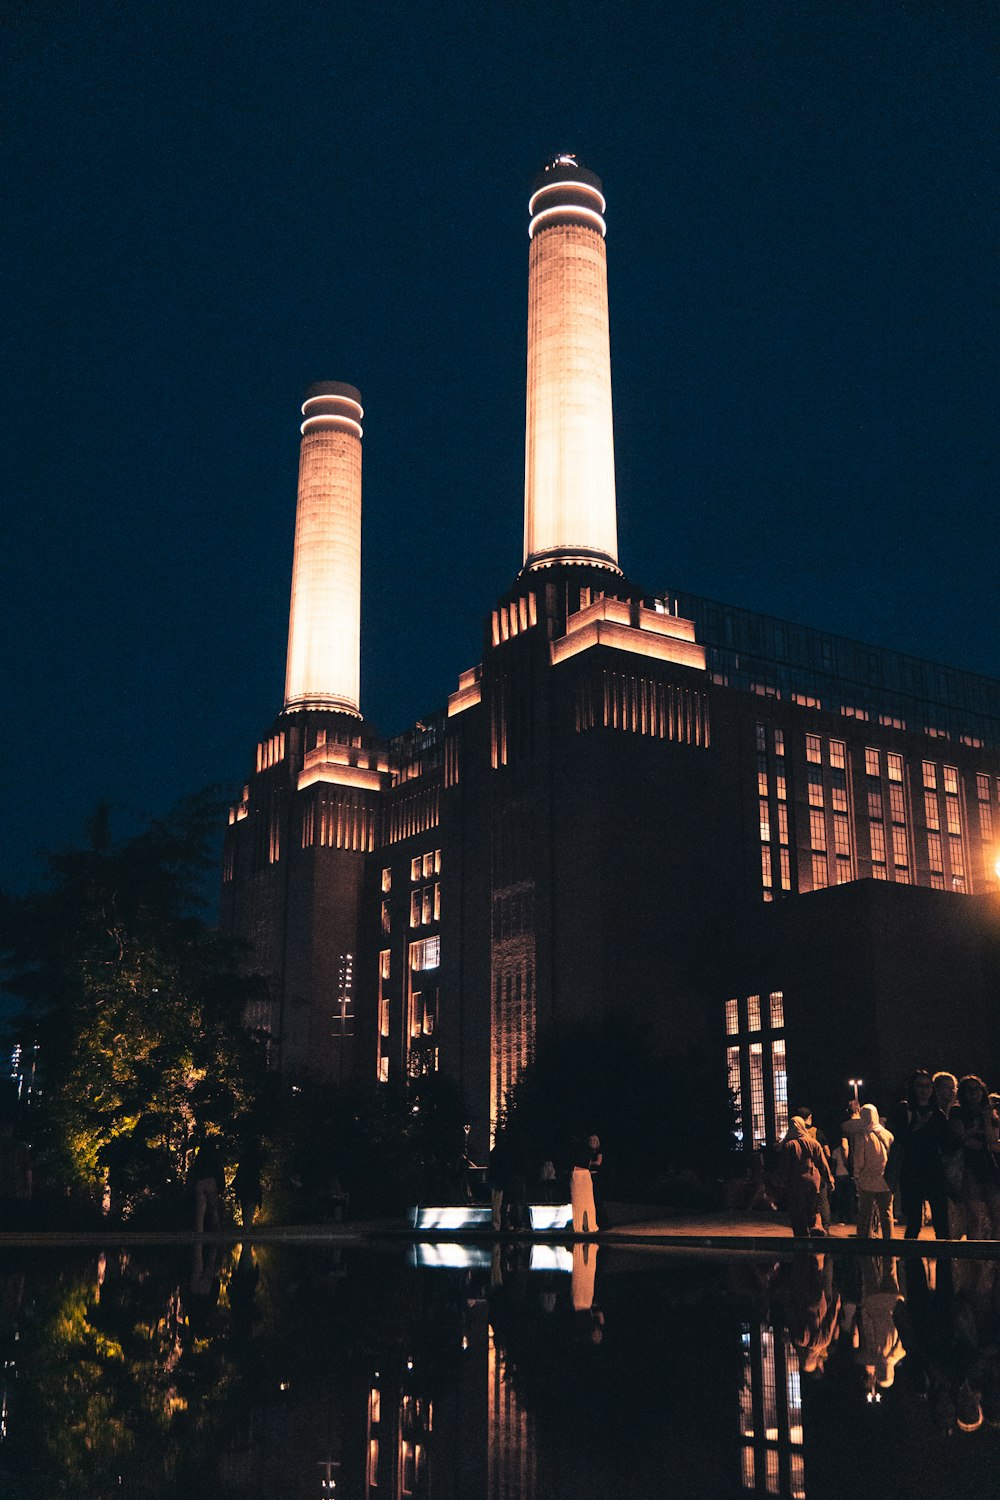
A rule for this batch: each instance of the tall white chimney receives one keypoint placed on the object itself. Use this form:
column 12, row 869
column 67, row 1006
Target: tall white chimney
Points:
column 569, row 469
column 324, row 627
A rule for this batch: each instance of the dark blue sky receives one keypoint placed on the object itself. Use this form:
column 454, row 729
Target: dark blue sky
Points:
column 212, row 205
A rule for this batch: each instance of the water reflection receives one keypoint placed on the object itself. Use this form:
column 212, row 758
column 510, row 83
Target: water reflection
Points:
column 497, row 1372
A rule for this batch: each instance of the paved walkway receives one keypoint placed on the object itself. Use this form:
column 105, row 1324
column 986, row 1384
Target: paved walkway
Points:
column 720, row 1230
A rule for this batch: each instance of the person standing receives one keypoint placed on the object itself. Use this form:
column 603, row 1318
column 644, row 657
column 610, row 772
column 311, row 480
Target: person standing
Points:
column 972, row 1125
column 805, row 1170
column 915, row 1165
column 581, row 1188
column 805, row 1114
column 247, row 1187
column 596, row 1166
column 872, row 1158
column 208, row 1179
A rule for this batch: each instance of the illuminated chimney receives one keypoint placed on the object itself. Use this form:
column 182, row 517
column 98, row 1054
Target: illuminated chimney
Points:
column 324, row 627
column 569, row 461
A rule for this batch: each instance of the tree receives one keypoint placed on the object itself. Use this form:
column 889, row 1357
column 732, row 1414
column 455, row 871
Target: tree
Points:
column 136, row 1004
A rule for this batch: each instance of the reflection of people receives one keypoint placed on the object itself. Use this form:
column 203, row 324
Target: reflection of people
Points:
column 208, row 1179
column 880, row 1347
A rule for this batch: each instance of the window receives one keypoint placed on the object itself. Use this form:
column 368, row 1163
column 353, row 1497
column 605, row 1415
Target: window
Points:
column 762, row 775
column 899, row 854
column 896, row 804
column 985, row 821
column 425, row 954
column 815, row 790
column 753, row 1013
column 931, row 810
column 765, row 821
column 386, row 925
column 387, row 880
column 872, row 762
column 732, row 1017
column 951, row 781
column 427, row 905
column 952, row 815
column 878, row 843
column 838, row 754
column 935, row 854
column 814, row 749
column 875, row 803
column 982, row 787
column 777, row 999
column 782, row 823
column 428, row 865
column 383, row 1008
column 817, row 830
column 895, row 765
column 735, row 1085
column 780, row 1077
column 956, row 856
column 841, row 834
column 838, row 797
column 414, row 908
column 383, row 963
column 786, row 870
column 930, row 775
column 415, row 866
column 765, row 867
column 758, row 1122
column 779, row 742
column 779, row 787
column 761, row 738
column 820, row 873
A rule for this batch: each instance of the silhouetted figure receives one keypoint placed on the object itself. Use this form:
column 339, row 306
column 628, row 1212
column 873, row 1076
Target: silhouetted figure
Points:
column 805, row 1115
column 915, row 1165
column 208, row 1178
column 247, row 1188
column 972, row 1125
column 596, row 1166
column 805, row 1169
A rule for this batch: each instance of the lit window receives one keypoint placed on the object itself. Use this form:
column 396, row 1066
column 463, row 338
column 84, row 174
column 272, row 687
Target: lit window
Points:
column 757, row 1117
column 753, row 1013
column 838, row 797
column 895, row 766
column 841, row 834
column 786, row 870
column 780, row 1075
column 817, row 830
column 779, row 742
column 878, row 843
column 387, row 880
column 956, row 856
column 872, row 765
column 386, row 925
column 899, row 854
column 733, row 1067
column 427, row 905
column 765, row 821
column 814, row 750
column 425, row 954
column 383, row 1077
column 875, row 803
column 815, row 790
column 732, row 1017
column 896, row 804
column 838, row 754
column 782, row 823
column 762, row 775
column 935, row 853
column 777, row 999
column 952, row 815
column 951, row 780
column 985, row 821
column 415, row 909
column 415, row 865
column 437, row 861
column 383, row 963
column 931, row 810
column 982, row 787
column 779, row 787
column 820, row 873
column 930, row 775
column 428, row 865
column 384, row 1016
column 437, row 901
column 765, row 866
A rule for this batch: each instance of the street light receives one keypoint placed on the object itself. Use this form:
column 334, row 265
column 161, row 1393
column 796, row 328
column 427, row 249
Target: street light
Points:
column 855, row 1085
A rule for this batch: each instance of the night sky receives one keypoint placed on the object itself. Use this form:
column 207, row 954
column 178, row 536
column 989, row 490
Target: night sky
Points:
column 211, row 205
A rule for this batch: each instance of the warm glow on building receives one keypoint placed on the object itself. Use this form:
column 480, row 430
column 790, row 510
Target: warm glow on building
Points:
column 324, row 628
column 569, row 470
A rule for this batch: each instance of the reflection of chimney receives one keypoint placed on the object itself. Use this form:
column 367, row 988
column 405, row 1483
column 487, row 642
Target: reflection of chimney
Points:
column 324, row 627
column 569, row 469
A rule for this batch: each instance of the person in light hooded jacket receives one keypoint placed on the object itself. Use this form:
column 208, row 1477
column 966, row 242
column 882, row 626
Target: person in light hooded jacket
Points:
column 870, row 1158
column 806, row 1169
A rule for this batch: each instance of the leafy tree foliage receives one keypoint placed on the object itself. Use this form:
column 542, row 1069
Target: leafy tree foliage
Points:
column 136, row 1004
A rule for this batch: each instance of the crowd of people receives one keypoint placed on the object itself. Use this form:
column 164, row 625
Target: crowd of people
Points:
column 937, row 1153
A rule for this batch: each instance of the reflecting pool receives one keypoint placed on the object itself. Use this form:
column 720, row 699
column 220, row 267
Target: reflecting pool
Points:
column 441, row 1370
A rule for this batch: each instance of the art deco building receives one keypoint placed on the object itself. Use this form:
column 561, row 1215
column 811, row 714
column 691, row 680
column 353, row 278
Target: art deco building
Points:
column 636, row 802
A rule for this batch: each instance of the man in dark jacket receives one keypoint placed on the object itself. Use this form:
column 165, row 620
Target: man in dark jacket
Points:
column 806, row 1169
